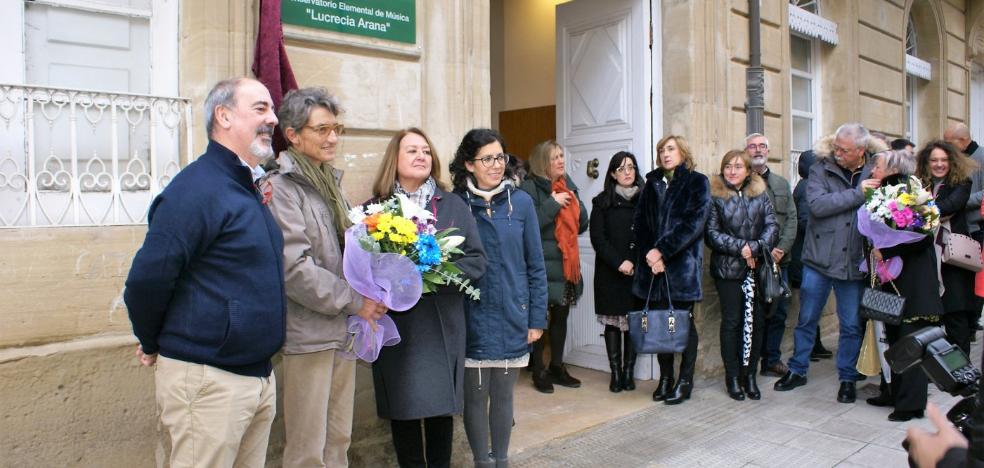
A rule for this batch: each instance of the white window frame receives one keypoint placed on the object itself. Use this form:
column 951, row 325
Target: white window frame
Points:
column 815, row 107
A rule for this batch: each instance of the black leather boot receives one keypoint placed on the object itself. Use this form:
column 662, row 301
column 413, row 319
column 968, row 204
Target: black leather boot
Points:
column 613, row 347
column 749, row 385
column 664, row 388
column 680, row 393
column 629, row 360
column 734, row 390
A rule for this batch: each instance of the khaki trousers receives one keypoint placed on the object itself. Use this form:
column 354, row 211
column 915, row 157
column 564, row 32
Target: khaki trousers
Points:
column 319, row 394
column 215, row 418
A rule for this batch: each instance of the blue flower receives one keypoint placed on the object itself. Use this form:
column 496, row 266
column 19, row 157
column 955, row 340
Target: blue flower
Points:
column 428, row 251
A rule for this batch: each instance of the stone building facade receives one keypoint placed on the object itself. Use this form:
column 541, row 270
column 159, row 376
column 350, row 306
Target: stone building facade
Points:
column 73, row 393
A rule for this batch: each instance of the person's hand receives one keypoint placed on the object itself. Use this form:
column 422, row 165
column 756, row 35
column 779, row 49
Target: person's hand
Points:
column 147, row 360
column 533, row 334
column 626, row 268
column 371, row 311
column 746, row 252
column 653, row 256
column 927, row 449
column 561, row 197
column 659, row 267
column 876, row 254
column 750, row 262
column 777, row 255
column 870, row 184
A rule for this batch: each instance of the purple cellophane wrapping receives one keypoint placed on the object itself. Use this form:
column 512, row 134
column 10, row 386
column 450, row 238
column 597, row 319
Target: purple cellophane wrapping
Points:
column 366, row 343
column 883, row 236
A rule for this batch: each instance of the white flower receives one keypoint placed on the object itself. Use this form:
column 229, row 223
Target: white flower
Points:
column 450, row 242
column 412, row 210
column 374, row 208
column 356, row 215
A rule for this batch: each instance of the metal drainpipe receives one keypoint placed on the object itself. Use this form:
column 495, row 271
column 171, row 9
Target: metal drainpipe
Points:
column 754, row 74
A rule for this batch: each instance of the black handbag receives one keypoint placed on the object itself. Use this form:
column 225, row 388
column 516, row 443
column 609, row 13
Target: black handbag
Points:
column 659, row 331
column 880, row 305
column 770, row 282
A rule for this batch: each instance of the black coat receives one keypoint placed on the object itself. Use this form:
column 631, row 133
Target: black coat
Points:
column 670, row 218
column 959, row 283
column 739, row 217
column 917, row 282
column 612, row 239
column 423, row 375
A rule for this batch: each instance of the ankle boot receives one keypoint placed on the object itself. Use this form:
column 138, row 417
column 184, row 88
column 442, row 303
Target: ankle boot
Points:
column 680, row 393
column 613, row 347
column 560, row 376
column 629, row 360
column 734, row 390
column 750, row 386
column 664, row 388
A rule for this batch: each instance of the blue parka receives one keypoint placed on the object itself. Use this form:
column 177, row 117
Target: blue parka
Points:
column 514, row 287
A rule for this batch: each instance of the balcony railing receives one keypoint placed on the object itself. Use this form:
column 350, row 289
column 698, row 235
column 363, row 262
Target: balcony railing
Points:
column 72, row 157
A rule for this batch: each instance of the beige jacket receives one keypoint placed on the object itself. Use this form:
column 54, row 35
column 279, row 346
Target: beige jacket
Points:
column 319, row 300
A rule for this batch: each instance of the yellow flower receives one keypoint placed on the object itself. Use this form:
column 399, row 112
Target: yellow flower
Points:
column 907, row 199
column 377, row 235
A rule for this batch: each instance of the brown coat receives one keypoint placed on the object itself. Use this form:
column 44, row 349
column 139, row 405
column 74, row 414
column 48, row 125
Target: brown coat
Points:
column 319, row 300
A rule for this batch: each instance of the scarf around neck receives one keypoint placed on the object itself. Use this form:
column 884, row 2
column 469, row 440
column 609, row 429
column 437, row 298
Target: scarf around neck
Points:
column 423, row 194
column 322, row 178
column 565, row 230
column 627, row 192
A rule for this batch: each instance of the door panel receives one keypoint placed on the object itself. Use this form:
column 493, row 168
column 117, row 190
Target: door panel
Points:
column 603, row 95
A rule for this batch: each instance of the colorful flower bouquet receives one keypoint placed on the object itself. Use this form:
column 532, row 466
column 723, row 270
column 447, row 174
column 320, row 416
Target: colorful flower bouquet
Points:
column 894, row 215
column 393, row 255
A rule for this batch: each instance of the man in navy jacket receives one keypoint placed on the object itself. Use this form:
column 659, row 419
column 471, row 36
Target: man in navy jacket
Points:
column 206, row 290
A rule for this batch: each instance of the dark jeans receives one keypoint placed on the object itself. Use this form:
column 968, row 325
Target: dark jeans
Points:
column 908, row 388
column 557, row 331
column 813, row 296
column 688, row 358
column 427, row 447
column 775, row 328
column 732, row 326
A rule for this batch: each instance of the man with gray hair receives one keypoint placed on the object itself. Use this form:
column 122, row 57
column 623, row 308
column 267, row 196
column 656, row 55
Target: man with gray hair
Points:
column 205, row 292
column 832, row 251
column 959, row 135
column 777, row 188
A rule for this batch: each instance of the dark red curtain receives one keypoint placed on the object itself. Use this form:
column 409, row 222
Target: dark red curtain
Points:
column 270, row 63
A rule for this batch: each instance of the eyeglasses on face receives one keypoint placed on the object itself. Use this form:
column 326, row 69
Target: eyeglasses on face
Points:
column 326, row 129
column 838, row 149
column 491, row 159
column 761, row 146
column 626, row 169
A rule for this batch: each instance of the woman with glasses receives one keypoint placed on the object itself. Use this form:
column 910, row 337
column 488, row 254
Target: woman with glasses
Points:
column 562, row 216
column 419, row 382
column 669, row 224
column 741, row 230
column 512, row 311
column 307, row 202
column 611, row 236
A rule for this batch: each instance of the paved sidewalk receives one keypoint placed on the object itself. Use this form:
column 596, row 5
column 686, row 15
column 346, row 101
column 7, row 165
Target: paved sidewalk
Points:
column 803, row 427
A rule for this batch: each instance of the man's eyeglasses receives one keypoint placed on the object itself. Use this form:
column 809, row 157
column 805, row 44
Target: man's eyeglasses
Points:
column 325, row 130
column 838, row 149
column 625, row 169
column 491, row 159
column 761, row 146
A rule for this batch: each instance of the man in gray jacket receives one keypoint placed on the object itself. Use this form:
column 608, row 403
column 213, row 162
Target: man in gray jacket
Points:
column 959, row 135
column 832, row 251
column 777, row 187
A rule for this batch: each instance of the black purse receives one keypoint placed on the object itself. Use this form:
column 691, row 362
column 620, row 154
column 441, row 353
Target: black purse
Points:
column 659, row 331
column 770, row 281
column 880, row 305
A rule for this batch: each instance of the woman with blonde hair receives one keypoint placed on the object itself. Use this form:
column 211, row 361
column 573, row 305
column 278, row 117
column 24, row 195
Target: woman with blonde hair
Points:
column 419, row 382
column 562, row 216
column 669, row 224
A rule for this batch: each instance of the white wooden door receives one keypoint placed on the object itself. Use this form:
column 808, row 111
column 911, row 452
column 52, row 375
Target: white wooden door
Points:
column 604, row 90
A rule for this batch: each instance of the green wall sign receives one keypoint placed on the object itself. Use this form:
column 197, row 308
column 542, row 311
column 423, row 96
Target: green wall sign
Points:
column 393, row 20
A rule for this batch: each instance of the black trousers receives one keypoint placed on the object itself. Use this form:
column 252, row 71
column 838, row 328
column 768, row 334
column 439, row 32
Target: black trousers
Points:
column 688, row 359
column 732, row 326
column 423, row 447
column 557, row 331
column 958, row 328
column 909, row 389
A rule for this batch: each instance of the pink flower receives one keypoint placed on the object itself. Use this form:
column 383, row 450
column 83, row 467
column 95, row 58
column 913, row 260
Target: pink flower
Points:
column 902, row 218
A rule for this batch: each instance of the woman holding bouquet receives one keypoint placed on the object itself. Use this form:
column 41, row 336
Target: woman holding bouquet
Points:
column 512, row 312
column 741, row 228
column 562, row 216
column 916, row 282
column 419, row 382
column 307, row 202
column 946, row 172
